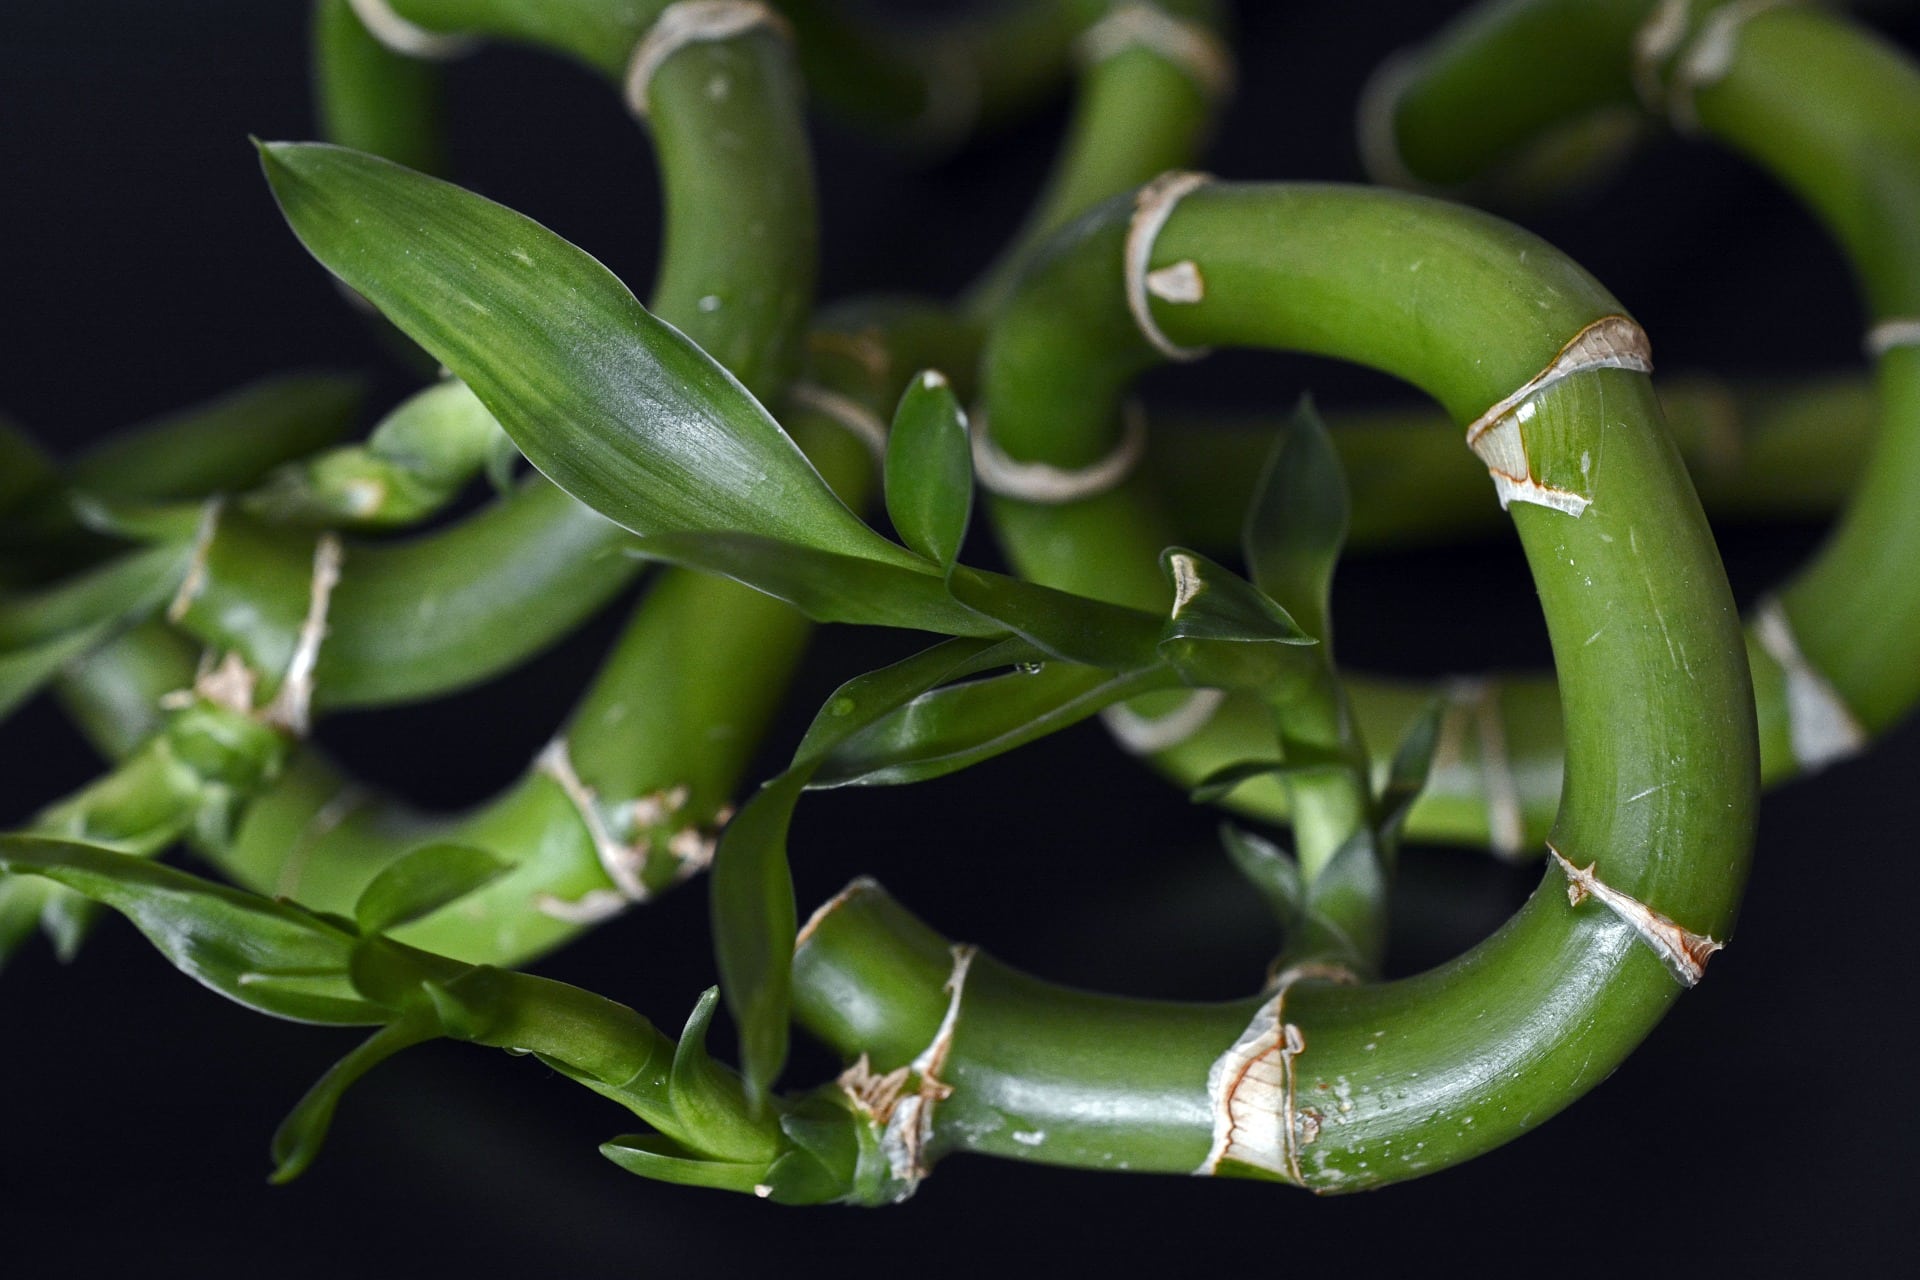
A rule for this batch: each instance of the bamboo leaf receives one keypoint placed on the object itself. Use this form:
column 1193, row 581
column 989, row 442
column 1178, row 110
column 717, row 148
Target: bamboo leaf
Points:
column 1060, row 624
column 929, row 470
column 270, row 956
column 952, row 728
column 423, row 881
column 754, row 919
column 1223, row 781
column 1224, row 632
column 298, row 1139
column 823, row 586
column 615, row 405
column 1407, row 775
column 1297, row 522
column 706, row 1097
column 656, row 1156
column 1270, row 870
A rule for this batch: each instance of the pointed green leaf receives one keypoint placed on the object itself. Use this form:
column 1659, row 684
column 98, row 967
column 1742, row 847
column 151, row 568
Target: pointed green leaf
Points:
column 1297, row 522
column 707, row 1098
column 1069, row 627
column 1270, row 870
column 754, row 919
column 823, row 586
column 1223, row 781
column 617, row 406
column 1224, row 632
column 1407, row 775
column 656, row 1156
column 423, row 881
column 298, row 1139
column 929, row 481
column 270, row 956
column 952, row 728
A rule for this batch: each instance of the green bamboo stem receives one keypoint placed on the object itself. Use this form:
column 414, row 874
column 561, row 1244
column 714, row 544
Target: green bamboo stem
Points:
column 938, row 84
column 418, row 459
column 1651, row 673
column 445, row 610
column 1148, row 88
column 1764, row 451
column 373, row 99
column 738, row 263
column 699, row 651
column 227, row 443
column 1832, row 112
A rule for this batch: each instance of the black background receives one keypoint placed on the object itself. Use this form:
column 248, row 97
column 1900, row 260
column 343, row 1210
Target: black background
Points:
column 1766, row 1125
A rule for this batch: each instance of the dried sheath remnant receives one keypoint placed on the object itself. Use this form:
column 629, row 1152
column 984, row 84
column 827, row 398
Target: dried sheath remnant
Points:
column 1820, row 727
column 195, row 579
column 905, row 1118
column 842, row 411
column 1684, row 952
column 1187, row 45
column 1250, row 1090
column 691, row 22
column 407, row 39
column 855, row 887
column 1041, row 482
column 290, row 706
column 1151, row 208
column 1149, row 735
column 1901, row 331
column 623, row 863
column 1611, row 342
column 1653, row 44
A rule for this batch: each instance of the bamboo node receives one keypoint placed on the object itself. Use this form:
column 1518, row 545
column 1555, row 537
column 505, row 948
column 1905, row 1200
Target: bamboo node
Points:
column 901, row 1102
column 1042, row 482
column 691, row 22
column 292, row 703
column 1611, row 342
column 1654, row 44
column 1251, row 1087
column 409, row 39
column 1887, row 335
column 844, row 412
column 1707, row 59
column 1821, row 728
column 1150, row 735
column 1189, row 46
column 1152, row 206
column 1684, row 952
column 194, row 581
column 1374, row 131
column 855, row 887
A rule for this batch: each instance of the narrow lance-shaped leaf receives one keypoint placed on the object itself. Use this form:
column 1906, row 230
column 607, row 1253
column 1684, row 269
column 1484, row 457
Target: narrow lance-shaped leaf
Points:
column 298, row 1139
column 270, row 956
column 955, row 727
column 929, row 480
column 423, row 881
column 1060, row 624
column 754, row 918
column 823, row 586
column 1224, row 632
column 1297, row 521
column 615, row 405
column 1407, row 775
